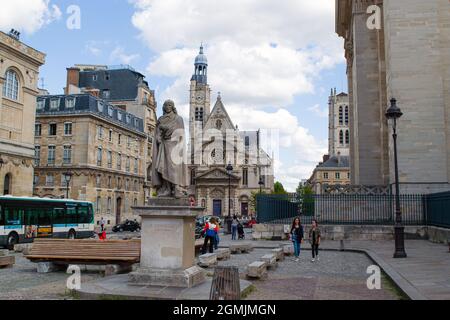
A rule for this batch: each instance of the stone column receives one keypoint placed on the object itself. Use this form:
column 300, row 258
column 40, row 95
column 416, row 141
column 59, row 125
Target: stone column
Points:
column 168, row 245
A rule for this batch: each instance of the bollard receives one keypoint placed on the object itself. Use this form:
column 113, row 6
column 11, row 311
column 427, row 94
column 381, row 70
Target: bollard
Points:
column 342, row 247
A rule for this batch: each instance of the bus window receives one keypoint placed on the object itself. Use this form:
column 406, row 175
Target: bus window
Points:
column 45, row 217
column 31, row 217
column 59, row 216
column 2, row 222
column 84, row 214
column 13, row 216
column 72, row 217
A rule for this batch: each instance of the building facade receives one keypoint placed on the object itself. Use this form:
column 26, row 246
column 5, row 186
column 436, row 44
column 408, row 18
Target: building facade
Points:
column 406, row 58
column 90, row 150
column 19, row 74
column 216, row 142
column 124, row 87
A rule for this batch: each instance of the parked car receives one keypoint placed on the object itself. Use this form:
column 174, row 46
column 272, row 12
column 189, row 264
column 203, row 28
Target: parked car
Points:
column 132, row 226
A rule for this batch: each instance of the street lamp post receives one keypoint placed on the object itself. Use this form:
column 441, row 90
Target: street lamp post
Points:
column 394, row 113
column 261, row 183
column 67, row 178
column 228, row 219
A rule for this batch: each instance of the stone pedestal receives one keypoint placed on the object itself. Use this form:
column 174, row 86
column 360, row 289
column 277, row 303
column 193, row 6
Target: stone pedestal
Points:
column 168, row 245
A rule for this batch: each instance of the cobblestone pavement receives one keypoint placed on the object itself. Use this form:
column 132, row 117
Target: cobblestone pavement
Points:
column 22, row 282
column 337, row 276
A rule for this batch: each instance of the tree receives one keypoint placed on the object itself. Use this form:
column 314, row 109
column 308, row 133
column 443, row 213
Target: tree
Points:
column 305, row 194
column 253, row 199
column 278, row 188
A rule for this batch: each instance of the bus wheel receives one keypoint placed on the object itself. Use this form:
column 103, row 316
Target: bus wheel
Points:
column 72, row 234
column 13, row 239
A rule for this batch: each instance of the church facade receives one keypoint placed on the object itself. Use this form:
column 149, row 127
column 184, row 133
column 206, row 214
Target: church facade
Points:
column 226, row 165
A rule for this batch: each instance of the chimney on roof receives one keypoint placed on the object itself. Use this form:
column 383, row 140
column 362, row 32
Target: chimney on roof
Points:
column 326, row 158
column 73, row 79
column 14, row 34
column 339, row 158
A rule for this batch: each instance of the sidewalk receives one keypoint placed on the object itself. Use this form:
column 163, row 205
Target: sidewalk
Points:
column 424, row 275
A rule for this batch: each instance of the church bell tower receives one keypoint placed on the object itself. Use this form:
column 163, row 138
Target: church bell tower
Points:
column 200, row 98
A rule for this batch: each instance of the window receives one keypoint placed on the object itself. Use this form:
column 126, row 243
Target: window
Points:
column 110, row 111
column 11, row 86
column 341, row 137
column 51, row 155
column 325, row 175
column 100, row 132
column 98, row 181
column 245, row 176
column 99, row 157
column 338, row 176
column 346, row 115
column 128, row 117
column 35, row 180
column 119, row 162
column 50, row 180
column 109, row 159
column 98, row 205
column 100, row 106
column 119, row 183
column 40, row 105
column 70, row 103
column 68, row 128
column 136, row 165
column 37, row 130
column 247, row 141
column 119, row 115
column 127, row 184
column 52, row 128
column 7, row 183
column 109, row 182
column 67, row 157
column 54, row 104
column 110, row 135
column 341, row 115
column 120, row 139
column 136, row 187
column 127, row 168
column 106, row 76
column 106, row 94
column 94, row 77
column 109, row 205
column 129, row 142
column 193, row 177
column 37, row 155
column 135, row 202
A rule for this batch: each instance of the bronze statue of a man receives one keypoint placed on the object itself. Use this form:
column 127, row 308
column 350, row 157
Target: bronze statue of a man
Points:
column 169, row 154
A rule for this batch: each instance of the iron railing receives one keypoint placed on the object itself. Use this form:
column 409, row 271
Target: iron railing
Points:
column 437, row 209
column 342, row 209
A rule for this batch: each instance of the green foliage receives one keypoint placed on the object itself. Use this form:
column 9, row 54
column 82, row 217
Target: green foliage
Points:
column 306, row 196
column 253, row 199
column 278, row 188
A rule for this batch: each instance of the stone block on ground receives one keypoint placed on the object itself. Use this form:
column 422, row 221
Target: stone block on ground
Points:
column 271, row 260
column 288, row 250
column 7, row 261
column 112, row 269
column 207, row 260
column 257, row 270
column 47, row 267
column 260, row 228
column 241, row 247
column 188, row 278
column 4, row 252
column 256, row 235
column 223, row 254
column 279, row 254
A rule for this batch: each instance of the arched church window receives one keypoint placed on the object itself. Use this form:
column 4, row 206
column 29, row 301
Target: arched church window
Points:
column 341, row 115
column 341, row 137
column 7, row 185
column 347, row 137
column 219, row 124
column 346, row 115
column 11, row 87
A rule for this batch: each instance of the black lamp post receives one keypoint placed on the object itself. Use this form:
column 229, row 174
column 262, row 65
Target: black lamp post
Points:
column 67, row 178
column 394, row 113
column 229, row 169
column 261, row 183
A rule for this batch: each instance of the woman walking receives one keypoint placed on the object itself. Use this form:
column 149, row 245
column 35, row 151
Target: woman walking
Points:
column 210, row 231
column 234, row 227
column 314, row 239
column 297, row 237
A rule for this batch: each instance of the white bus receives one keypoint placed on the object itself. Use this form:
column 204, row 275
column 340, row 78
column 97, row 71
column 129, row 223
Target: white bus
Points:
column 24, row 219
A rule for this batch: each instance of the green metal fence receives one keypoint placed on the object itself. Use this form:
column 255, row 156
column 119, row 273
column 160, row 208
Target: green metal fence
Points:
column 438, row 209
column 345, row 209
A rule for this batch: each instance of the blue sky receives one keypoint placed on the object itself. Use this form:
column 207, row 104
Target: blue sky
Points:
column 274, row 62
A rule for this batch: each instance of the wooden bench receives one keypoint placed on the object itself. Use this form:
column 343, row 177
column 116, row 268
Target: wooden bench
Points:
column 85, row 252
column 7, row 261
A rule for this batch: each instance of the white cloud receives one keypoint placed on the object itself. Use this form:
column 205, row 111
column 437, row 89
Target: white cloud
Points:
column 27, row 15
column 118, row 54
column 322, row 113
column 262, row 55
